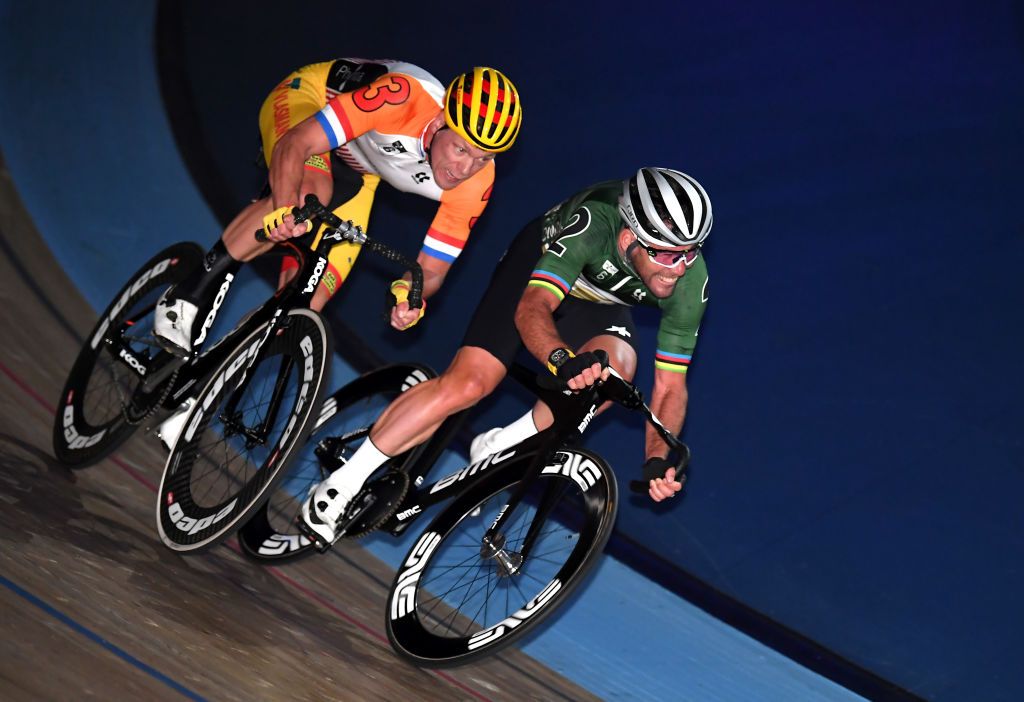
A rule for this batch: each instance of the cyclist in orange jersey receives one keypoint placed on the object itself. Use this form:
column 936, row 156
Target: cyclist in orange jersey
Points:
column 335, row 129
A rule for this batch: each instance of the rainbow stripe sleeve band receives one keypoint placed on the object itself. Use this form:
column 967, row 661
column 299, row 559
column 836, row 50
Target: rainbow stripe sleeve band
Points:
column 674, row 362
column 555, row 284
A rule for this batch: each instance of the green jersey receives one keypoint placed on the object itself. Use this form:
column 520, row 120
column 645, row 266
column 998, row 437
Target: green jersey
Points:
column 582, row 259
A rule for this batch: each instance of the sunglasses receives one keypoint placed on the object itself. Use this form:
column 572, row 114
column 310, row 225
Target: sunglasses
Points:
column 670, row 259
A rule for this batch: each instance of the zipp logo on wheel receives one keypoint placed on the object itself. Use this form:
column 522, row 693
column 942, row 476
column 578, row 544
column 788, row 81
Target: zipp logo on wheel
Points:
column 307, row 377
column 71, row 436
column 210, row 397
column 190, row 525
column 139, row 283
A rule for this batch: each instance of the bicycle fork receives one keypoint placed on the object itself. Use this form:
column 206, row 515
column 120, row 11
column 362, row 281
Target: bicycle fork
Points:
column 494, row 541
column 232, row 418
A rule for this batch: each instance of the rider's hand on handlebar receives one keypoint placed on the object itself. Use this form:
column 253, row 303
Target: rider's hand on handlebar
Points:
column 280, row 225
column 579, row 372
column 402, row 316
column 660, row 474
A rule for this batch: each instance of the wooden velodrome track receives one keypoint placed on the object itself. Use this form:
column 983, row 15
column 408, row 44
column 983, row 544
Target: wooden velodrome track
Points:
column 95, row 607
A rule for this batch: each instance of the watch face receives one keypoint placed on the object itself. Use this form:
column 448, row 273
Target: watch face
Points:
column 558, row 357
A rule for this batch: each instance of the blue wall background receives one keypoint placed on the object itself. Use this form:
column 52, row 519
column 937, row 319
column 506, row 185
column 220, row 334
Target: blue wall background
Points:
column 853, row 406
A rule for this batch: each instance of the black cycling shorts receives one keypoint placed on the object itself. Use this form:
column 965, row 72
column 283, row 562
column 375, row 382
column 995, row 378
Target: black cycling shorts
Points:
column 493, row 329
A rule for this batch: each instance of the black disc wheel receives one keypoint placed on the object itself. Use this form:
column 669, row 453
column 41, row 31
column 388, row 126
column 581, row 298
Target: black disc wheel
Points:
column 344, row 422
column 100, row 407
column 242, row 431
column 459, row 596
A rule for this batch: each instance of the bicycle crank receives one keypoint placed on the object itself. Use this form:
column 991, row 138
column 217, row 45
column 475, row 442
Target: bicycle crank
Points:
column 372, row 506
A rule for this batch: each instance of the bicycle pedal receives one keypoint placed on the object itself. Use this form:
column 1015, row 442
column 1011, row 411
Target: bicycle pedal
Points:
column 363, row 501
column 172, row 348
column 319, row 543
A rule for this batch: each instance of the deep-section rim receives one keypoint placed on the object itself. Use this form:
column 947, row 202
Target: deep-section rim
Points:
column 433, row 651
column 226, row 517
column 258, row 532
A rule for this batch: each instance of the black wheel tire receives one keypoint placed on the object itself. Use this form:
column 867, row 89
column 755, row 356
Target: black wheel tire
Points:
column 270, row 536
column 423, row 626
column 90, row 422
column 214, row 478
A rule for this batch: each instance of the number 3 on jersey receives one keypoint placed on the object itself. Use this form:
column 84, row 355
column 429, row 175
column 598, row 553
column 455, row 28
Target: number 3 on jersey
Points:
column 375, row 96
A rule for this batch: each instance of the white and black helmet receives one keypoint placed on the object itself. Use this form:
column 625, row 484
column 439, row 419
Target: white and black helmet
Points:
column 664, row 207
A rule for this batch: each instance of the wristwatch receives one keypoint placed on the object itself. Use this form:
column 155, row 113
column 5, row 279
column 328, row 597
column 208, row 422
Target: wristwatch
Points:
column 558, row 358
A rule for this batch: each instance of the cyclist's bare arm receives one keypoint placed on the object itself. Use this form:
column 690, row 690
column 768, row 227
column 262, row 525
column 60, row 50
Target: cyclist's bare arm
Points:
column 668, row 403
column 536, row 324
column 286, row 170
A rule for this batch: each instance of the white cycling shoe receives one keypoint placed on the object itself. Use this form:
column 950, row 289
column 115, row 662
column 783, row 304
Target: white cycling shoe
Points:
column 170, row 429
column 172, row 324
column 482, row 445
column 324, row 508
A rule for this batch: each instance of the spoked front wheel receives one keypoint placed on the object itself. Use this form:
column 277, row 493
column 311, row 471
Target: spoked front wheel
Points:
column 457, row 598
column 344, row 422
column 98, row 407
column 242, row 431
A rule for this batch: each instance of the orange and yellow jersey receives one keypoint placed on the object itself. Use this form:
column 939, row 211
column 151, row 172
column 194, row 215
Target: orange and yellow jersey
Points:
column 379, row 128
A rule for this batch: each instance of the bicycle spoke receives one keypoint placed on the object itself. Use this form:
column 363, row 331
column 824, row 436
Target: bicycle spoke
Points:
column 102, row 385
column 352, row 412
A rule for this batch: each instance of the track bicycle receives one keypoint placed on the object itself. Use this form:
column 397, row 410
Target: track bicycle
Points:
column 254, row 393
column 522, row 528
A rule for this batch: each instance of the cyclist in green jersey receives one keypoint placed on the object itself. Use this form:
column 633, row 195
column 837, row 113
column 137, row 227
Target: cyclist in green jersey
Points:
column 607, row 248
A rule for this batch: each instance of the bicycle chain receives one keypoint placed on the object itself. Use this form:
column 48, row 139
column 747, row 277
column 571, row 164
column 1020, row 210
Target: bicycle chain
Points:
column 168, row 386
column 387, row 514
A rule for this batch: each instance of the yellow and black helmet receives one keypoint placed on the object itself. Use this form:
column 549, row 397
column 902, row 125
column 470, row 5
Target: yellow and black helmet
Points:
column 483, row 107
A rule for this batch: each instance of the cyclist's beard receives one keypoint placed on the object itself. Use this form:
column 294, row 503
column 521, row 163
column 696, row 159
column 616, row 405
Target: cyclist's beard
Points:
column 658, row 288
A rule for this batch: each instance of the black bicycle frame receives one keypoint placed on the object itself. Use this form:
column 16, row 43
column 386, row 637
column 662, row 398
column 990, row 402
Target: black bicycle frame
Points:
column 569, row 412
column 297, row 293
column 572, row 413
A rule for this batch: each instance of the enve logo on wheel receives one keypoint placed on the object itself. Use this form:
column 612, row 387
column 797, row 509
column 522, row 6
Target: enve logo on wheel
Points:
column 279, row 544
column 488, row 635
column 583, row 471
column 404, row 600
column 414, row 378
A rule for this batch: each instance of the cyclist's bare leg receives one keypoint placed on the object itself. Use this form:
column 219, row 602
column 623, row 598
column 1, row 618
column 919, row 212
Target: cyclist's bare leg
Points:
column 413, row 417
column 418, row 412
column 622, row 358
